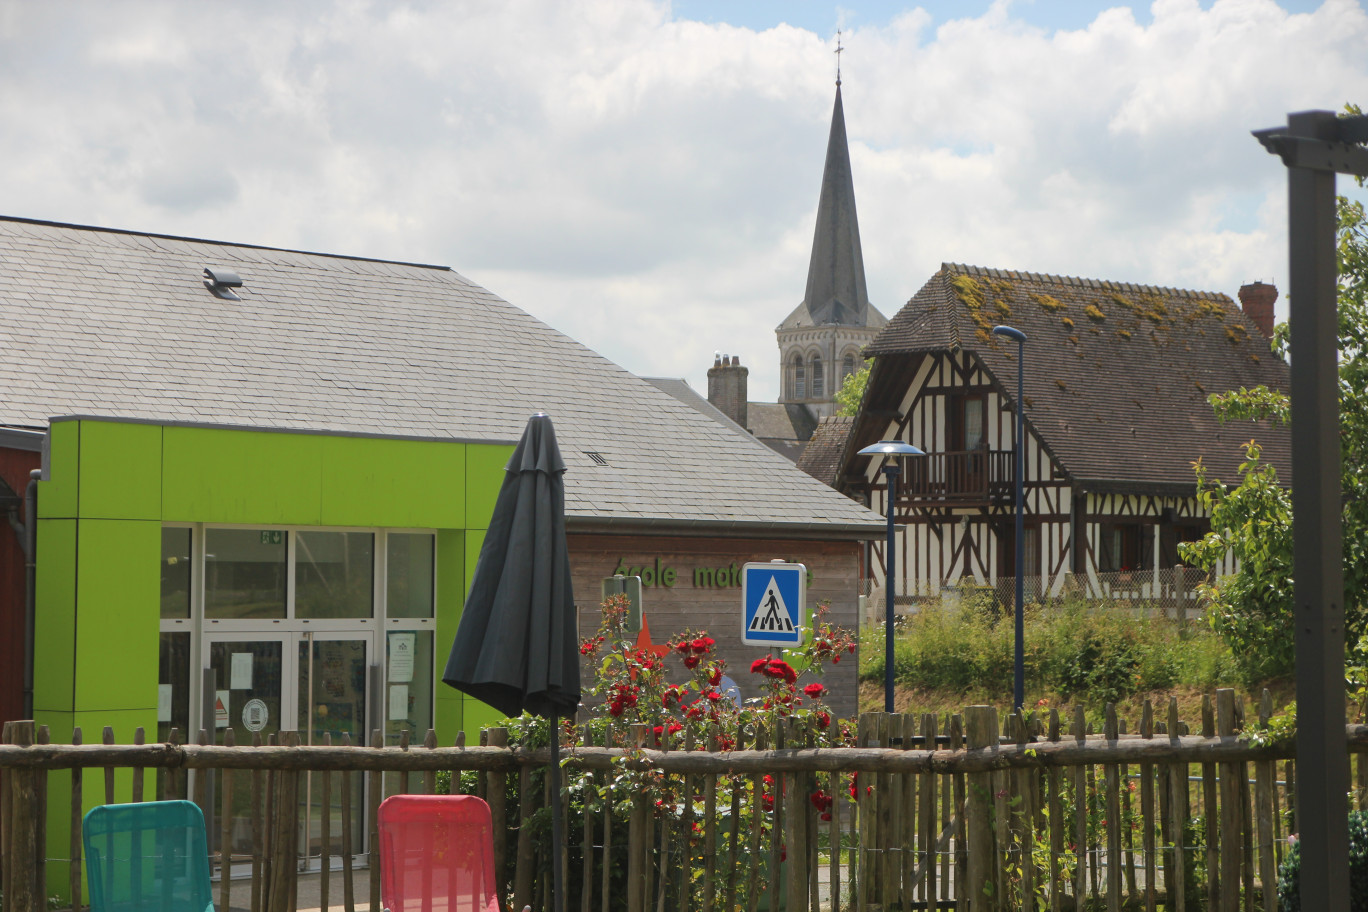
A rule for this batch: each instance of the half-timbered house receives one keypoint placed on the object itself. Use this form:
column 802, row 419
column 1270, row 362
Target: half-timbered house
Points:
column 1116, row 384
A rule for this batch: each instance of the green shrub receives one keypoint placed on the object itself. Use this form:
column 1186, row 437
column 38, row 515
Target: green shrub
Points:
column 1104, row 652
column 1289, row 873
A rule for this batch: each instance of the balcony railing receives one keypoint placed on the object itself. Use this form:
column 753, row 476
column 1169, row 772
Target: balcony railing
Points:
column 968, row 476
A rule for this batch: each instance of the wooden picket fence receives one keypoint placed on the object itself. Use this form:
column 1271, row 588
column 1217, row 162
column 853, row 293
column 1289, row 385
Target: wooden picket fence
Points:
column 953, row 813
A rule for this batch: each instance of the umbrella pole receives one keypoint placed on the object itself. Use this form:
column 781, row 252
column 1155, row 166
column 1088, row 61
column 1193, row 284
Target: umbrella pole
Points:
column 557, row 837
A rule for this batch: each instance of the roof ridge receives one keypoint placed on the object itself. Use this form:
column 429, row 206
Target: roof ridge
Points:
column 18, row 219
column 1079, row 281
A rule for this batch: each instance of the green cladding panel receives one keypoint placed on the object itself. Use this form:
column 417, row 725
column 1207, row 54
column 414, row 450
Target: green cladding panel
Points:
column 120, row 475
column 57, row 495
column 54, row 636
column 229, row 476
column 484, row 478
column 452, row 581
column 394, row 483
column 118, row 612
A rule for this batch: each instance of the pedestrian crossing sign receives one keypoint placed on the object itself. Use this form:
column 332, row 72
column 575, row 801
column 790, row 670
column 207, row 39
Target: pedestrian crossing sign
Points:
column 772, row 599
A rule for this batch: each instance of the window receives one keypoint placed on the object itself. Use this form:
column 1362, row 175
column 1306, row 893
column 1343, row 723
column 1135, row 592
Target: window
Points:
column 175, row 572
column 408, row 578
column 334, row 574
column 1125, row 547
column 817, row 383
column 799, row 378
column 244, row 573
column 847, row 366
column 966, row 422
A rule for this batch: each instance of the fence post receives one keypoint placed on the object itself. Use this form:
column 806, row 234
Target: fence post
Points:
column 636, row 834
column 23, row 892
column 981, row 729
column 497, row 786
column 1230, row 847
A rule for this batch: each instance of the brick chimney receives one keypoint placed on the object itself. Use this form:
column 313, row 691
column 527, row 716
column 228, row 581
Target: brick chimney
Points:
column 727, row 387
column 1256, row 300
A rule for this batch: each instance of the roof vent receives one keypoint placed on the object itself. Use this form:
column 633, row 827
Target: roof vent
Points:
column 222, row 282
column 597, row 458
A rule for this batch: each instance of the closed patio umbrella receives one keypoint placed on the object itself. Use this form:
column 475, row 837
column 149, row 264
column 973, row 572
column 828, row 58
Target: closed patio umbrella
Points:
column 515, row 647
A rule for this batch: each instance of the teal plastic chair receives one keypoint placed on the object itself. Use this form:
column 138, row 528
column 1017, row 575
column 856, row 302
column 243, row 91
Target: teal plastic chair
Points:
column 147, row 857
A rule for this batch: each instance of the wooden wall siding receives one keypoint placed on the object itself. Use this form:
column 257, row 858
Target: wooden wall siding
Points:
column 836, row 580
column 15, row 466
column 940, row 543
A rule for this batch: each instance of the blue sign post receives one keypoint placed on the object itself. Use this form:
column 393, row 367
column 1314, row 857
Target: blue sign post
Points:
column 772, row 601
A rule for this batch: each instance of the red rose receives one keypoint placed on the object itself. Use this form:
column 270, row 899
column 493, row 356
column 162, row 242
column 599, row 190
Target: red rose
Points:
column 682, row 646
column 823, row 720
column 715, row 677
column 836, row 659
column 615, row 709
column 703, row 644
column 713, row 695
column 674, row 728
column 759, row 665
column 814, row 690
column 691, row 661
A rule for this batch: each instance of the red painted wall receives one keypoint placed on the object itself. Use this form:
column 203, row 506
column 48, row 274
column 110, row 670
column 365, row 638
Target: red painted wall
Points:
column 15, row 466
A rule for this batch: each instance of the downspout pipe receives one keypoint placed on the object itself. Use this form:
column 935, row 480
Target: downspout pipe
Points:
column 30, row 546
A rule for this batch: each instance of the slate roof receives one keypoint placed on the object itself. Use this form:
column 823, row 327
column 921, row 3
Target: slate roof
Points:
column 784, row 427
column 679, row 388
column 119, row 324
column 836, row 291
column 822, row 456
column 1117, row 374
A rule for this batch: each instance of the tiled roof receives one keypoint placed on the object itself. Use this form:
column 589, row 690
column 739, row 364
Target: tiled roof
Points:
column 119, row 324
column 1117, row 374
column 822, row 457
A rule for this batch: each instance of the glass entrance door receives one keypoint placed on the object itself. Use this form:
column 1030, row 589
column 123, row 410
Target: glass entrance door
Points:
column 312, row 683
column 331, row 704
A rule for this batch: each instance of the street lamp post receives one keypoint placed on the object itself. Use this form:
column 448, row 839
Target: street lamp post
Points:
column 890, row 450
column 1019, row 667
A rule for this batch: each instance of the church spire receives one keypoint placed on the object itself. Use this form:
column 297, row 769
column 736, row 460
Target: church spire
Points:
column 836, row 280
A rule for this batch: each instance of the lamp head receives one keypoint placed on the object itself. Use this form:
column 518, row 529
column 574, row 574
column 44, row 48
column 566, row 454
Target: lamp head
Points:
column 891, row 448
column 1012, row 333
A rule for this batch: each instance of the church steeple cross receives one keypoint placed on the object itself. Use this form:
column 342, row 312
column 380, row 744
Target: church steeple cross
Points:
column 839, row 49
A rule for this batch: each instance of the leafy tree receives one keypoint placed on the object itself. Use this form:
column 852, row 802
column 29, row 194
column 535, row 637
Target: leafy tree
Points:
column 1253, row 609
column 851, row 393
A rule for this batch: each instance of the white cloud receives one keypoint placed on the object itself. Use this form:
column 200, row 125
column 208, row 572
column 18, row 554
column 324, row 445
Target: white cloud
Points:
column 649, row 185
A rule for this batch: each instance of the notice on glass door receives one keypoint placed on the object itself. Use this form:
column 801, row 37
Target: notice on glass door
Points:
column 241, row 676
column 401, row 657
column 398, row 703
column 164, row 697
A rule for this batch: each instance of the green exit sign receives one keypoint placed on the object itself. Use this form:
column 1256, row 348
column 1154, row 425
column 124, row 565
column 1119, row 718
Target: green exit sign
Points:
column 272, row 537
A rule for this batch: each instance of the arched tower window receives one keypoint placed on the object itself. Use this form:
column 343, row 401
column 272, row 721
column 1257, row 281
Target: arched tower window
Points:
column 817, row 377
column 799, row 383
column 847, row 366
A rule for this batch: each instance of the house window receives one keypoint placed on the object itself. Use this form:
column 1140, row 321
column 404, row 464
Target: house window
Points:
column 817, row 377
column 1125, row 547
column 847, row 367
column 966, row 422
column 799, row 378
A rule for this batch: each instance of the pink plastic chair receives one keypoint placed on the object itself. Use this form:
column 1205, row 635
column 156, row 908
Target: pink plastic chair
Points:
column 437, row 854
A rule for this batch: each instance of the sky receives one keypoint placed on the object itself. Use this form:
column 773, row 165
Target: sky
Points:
column 643, row 174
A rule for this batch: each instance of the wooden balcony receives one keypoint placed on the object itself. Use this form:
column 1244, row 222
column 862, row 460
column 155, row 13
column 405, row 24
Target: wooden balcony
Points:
column 958, row 478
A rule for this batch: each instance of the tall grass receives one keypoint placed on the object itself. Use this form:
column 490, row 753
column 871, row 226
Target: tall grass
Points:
column 1106, row 652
